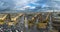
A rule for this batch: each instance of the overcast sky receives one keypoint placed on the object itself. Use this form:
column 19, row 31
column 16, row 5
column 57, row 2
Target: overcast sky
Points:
column 30, row 5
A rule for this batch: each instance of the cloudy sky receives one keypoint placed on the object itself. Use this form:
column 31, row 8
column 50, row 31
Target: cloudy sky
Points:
column 29, row 5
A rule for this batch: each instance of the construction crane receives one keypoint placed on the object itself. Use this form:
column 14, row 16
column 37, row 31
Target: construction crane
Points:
column 2, row 18
column 43, row 23
column 32, row 21
column 14, row 19
column 47, row 18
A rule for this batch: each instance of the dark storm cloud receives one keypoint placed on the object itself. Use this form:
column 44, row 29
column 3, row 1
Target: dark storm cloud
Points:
column 6, row 4
column 30, row 5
